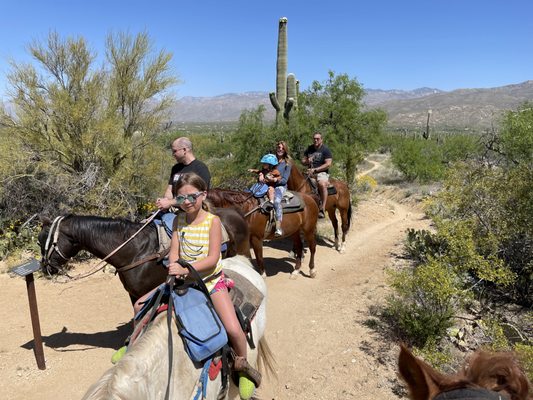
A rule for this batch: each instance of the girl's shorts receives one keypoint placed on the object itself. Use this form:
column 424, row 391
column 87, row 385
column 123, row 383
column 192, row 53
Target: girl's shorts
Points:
column 222, row 283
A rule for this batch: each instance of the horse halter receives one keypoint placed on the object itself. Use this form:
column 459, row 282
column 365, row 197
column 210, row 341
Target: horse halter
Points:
column 470, row 394
column 51, row 243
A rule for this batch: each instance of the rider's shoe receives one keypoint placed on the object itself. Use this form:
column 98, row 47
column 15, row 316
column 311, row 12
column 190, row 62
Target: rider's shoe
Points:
column 279, row 231
column 117, row 356
column 321, row 214
column 241, row 365
column 246, row 387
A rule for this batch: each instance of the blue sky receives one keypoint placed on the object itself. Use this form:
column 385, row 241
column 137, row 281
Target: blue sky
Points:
column 230, row 46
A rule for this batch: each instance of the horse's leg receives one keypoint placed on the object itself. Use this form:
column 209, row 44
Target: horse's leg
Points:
column 346, row 215
column 310, row 238
column 297, row 246
column 257, row 245
column 344, row 227
column 334, row 221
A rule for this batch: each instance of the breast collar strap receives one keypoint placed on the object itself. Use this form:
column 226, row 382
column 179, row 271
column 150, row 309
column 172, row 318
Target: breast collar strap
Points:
column 51, row 241
column 470, row 394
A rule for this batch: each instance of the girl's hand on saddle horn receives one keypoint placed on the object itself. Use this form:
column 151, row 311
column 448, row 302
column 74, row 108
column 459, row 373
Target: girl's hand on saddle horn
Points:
column 175, row 268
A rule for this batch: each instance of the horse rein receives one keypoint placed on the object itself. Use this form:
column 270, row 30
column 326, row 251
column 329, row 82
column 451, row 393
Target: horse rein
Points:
column 54, row 231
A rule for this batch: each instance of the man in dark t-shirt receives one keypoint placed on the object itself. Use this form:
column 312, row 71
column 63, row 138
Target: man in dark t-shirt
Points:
column 318, row 159
column 186, row 162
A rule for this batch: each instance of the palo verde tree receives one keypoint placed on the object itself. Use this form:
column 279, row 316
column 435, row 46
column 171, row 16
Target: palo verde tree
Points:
column 86, row 130
column 335, row 108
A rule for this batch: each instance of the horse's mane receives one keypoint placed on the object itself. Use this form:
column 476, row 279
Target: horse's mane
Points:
column 92, row 228
column 226, row 198
column 496, row 371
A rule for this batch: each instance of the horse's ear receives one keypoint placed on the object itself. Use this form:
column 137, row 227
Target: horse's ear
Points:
column 45, row 221
column 417, row 374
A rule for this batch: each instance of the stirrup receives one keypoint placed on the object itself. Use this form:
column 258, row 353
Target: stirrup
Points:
column 240, row 364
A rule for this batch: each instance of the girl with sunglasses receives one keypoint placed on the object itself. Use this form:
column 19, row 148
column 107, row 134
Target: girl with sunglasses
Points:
column 196, row 238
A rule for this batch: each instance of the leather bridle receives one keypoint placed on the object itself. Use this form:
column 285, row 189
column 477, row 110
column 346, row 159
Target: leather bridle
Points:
column 50, row 246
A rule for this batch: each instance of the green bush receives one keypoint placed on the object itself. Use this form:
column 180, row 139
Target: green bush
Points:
column 424, row 301
column 418, row 159
column 524, row 352
column 421, row 245
column 15, row 238
column 485, row 216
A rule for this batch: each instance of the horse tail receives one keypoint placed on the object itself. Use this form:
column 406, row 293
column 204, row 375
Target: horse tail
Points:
column 349, row 214
column 265, row 358
column 102, row 389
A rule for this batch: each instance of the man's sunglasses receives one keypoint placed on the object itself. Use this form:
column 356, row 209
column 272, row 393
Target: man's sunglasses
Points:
column 180, row 199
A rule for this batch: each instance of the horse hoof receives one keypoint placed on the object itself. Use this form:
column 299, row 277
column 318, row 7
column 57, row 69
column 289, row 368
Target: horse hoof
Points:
column 312, row 273
column 294, row 275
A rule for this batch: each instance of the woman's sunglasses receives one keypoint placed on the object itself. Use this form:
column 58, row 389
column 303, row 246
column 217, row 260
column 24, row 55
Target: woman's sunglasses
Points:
column 180, row 199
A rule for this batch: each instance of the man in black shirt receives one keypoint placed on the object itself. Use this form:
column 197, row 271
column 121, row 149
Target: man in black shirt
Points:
column 186, row 162
column 318, row 159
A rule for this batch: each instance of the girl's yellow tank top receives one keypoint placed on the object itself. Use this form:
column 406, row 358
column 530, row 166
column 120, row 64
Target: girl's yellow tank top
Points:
column 194, row 245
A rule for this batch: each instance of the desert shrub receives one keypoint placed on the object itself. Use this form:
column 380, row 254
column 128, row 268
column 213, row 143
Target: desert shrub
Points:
column 460, row 147
column 365, row 184
column 15, row 238
column 421, row 245
column 419, row 160
column 485, row 214
column 424, row 301
column 432, row 354
column 85, row 135
column 524, row 352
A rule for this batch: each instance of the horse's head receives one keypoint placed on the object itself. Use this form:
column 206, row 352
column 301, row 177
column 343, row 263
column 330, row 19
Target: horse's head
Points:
column 489, row 376
column 56, row 248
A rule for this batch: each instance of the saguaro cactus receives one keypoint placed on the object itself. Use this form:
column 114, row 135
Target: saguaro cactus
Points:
column 285, row 98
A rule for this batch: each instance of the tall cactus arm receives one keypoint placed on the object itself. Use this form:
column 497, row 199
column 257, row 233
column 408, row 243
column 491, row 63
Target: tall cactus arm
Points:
column 274, row 101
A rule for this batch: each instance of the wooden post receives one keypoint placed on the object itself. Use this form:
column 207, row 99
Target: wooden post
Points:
column 27, row 270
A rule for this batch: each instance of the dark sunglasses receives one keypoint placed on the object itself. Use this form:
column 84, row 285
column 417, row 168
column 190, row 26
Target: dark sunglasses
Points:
column 180, row 199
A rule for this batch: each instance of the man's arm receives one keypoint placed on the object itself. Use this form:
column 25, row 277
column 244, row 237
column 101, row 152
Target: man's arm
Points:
column 325, row 166
column 167, row 201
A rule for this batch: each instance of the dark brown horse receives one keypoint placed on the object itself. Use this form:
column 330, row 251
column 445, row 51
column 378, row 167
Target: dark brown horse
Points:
column 490, row 376
column 299, row 182
column 100, row 236
column 293, row 224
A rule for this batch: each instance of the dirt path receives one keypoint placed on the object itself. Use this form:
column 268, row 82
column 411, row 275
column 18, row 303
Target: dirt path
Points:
column 316, row 327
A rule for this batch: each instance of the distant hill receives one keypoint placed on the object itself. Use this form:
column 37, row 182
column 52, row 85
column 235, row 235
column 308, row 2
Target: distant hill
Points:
column 223, row 108
column 474, row 109
column 228, row 107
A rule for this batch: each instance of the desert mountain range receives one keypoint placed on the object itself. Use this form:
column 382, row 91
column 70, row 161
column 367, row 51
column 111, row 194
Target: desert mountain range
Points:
column 465, row 109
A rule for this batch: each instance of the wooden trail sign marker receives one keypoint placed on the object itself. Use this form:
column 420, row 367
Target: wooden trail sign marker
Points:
column 26, row 270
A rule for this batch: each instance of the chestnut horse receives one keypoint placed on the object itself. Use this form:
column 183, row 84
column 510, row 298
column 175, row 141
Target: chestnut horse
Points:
column 100, row 236
column 299, row 182
column 292, row 224
column 487, row 376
